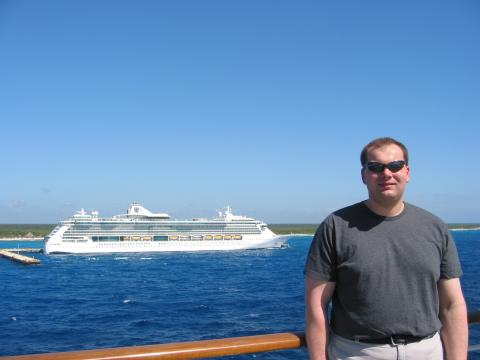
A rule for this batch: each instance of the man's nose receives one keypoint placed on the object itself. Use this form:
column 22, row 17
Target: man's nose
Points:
column 386, row 172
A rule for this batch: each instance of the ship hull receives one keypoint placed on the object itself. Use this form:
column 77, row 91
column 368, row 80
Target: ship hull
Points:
column 90, row 247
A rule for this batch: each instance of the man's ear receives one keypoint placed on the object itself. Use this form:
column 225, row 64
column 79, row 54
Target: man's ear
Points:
column 362, row 172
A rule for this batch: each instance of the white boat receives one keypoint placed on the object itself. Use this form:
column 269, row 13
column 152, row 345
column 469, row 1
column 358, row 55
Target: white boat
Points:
column 139, row 230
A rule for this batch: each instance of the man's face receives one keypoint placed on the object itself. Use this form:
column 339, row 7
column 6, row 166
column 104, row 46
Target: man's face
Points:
column 386, row 187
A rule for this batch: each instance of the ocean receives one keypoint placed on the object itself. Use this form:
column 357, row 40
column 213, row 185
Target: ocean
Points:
column 86, row 302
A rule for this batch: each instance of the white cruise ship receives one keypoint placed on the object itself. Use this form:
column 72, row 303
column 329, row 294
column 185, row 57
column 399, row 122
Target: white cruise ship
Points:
column 139, row 230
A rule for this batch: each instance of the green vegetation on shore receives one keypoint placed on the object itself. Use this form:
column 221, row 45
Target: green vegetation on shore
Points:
column 464, row 226
column 282, row 229
column 25, row 230
column 41, row 230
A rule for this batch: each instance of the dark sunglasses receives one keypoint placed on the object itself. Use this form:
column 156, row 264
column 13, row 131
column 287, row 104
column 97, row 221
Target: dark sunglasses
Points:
column 393, row 166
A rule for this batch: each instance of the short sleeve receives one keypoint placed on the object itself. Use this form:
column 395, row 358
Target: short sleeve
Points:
column 322, row 260
column 450, row 267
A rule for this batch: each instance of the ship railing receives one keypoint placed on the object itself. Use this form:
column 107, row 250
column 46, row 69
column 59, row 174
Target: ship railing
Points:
column 197, row 349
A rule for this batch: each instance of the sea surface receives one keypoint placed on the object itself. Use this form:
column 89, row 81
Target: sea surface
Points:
column 86, row 302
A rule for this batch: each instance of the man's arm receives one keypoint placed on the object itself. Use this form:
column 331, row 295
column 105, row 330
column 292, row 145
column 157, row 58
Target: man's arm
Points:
column 453, row 315
column 317, row 297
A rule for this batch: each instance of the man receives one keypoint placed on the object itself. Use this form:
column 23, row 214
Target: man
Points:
column 391, row 270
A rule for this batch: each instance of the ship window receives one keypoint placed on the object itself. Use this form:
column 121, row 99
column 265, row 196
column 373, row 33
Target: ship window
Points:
column 105, row 238
column 160, row 238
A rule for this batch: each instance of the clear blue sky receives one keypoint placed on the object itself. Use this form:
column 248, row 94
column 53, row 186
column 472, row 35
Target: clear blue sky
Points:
column 187, row 106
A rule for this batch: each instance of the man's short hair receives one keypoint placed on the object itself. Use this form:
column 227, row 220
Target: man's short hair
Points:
column 380, row 142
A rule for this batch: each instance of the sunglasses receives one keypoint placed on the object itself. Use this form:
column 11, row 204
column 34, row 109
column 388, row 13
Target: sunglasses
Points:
column 378, row 168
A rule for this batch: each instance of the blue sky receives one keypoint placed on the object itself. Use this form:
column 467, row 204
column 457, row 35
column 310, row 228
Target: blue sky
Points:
column 188, row 106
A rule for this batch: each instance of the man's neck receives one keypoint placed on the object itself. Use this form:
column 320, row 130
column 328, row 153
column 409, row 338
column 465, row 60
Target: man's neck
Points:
column 387, row 210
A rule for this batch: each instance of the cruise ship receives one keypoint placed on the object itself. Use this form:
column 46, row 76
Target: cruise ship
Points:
column 140, row 230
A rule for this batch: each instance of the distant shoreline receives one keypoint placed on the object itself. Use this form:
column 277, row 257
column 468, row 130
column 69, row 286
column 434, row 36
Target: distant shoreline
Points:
column 21, row 239
column 293, row 234
column 33, row 232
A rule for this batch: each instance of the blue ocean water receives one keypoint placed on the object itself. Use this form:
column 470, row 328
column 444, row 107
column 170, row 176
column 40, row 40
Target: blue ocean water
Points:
column 86, row 302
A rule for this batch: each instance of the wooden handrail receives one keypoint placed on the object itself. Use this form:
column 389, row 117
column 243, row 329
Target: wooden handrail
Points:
column 192, row 349
column 184, row 350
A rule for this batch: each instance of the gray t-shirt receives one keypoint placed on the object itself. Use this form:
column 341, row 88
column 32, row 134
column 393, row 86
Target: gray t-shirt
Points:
column 386, row 270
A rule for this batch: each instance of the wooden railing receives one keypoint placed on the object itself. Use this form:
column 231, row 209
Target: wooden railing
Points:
column 193, row 349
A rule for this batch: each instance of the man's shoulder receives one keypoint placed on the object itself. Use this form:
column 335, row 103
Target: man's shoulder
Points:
column 347, row 214
column 419, row 212
column 353, row 209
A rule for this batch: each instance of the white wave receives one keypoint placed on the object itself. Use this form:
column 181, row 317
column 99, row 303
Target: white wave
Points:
column 466, row 229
